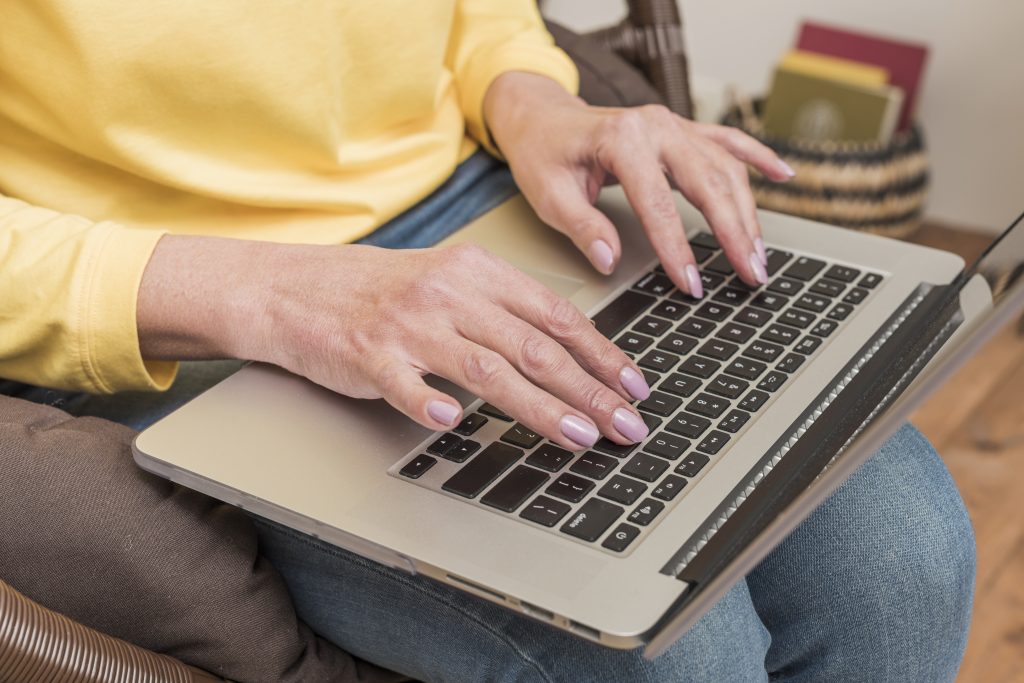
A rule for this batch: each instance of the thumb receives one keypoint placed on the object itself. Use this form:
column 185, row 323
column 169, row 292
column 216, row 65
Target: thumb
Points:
column 569, row 212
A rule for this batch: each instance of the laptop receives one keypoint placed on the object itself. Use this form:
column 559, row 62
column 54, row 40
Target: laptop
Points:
column 763, row 402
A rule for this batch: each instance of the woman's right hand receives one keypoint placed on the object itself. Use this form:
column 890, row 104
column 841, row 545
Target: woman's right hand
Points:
column 370, row 322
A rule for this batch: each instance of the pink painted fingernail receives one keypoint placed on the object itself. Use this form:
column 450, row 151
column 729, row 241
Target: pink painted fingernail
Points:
column 630, row 425
column 579, row 431
column 693, row 280
column 634, row 383
column 601, row 256
column 787, row 169
column 759, row 245
column 445, row 413
column 759, row 272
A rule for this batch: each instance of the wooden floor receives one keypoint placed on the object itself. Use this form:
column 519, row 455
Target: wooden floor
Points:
column 977, row 423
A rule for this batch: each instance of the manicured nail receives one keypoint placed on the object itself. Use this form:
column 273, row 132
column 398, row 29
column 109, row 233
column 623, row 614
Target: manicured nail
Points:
column 759, row 245
column 579, row 431
column 629, row 425
column 759, row 272
column 601, row 256
column 786, row 168
column 693, row 280
column 634, row 383
column 445, row 413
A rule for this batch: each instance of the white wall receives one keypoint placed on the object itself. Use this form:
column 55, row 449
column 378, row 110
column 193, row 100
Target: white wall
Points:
column 971, row 106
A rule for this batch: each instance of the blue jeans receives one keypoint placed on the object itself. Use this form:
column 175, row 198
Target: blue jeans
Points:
column 876, row 585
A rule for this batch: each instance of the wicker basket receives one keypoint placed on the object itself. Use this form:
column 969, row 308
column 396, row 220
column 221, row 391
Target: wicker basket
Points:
column 879, row 188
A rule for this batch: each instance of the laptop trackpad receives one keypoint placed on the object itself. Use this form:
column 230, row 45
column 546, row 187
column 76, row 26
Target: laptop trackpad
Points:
column 563, row 286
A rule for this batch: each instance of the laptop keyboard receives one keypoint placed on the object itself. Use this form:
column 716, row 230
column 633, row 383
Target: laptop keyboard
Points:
column 712, row 365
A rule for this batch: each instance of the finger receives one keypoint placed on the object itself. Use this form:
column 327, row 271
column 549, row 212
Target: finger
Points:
column 404, row 388
column 564, row 207
column 748, row 150
column 745, row 202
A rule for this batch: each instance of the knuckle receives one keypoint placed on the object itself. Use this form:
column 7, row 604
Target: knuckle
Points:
column 717, row 184
column 539, row 358
column 481, row 367
column 660, row 114
column 388, row 379
column 469, row 254
column 563, row 318
column 600, row 400
column 628, row 123
column 663, row 207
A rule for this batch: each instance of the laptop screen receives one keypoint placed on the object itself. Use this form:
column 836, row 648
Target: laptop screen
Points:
column 1002, row 264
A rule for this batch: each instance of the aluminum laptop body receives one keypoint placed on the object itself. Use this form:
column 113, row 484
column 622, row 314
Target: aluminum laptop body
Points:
column 286, row 449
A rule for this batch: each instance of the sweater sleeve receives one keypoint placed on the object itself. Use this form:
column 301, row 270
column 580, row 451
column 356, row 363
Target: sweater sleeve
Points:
column 68, row 291
column 492, row 37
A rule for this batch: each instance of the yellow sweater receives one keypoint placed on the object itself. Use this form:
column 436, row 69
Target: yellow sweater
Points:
column 312, row 121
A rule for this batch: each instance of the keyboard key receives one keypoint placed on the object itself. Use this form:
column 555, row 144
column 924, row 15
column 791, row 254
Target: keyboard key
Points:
column 762, row 350
column 780, row 334
column 633, row 342
column 713, row 442
column 842, row 273
column 570, row 487
column 667, row 446
column 824, row 328
column 680, row 385
column 621, row 312
column 797, row 318
column 829, row 288
column 804, row 268
column 753, row 316
column 692, row 464
column 512, row 491
column 443, row 444
column 710, row 281
column 870, row 280
column 700, row 367
column 713, row 311
column 650, row 377
column 840, row 311
column 651, row 421
column 695, row 327
column 462, row 452
column 707, row 405
column 791, row 363
column 670, row 309
column 479, row 472
column 727, row 386
column 520, row 435
column 646, row 511
column 754, row 400
column 734, row 421
column 669, row 487
column 688, row 425
column 731, row 295
column 855, row 296
column 592, row 519
column 611, row 448
column 470, row 424
column 773, row 302
column 772, row 381
column 660, row 404
column 619, row 539
column 677, row 343
column 706, row 240
column 417, row 466
column 659, row 361
column 545, row 511
column 652, row 326
column 718, row 349
column 654, row 283
column 745, row 368
column 700, row 254
column 807, row 345
column 720, row 264
column 776, row 259
column 735, row 332
column 494, row 411
column 622, row 490
column 785, row 286
column 645, row 467
column 549, row 457
column 594, row 465
column 812, row 302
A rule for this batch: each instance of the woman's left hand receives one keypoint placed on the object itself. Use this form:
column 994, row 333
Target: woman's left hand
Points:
column 562, row 151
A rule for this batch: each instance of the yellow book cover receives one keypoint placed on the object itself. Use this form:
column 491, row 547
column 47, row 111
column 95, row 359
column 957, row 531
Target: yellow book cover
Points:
column 835, row 68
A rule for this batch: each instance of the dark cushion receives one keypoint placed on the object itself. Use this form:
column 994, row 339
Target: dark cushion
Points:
column 86, row 533
column 606, row 80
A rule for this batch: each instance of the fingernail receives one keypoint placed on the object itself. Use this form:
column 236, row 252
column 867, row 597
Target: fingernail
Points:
column 759, row 245
column 601, row 255
column 445, row 413
column 634, row 383
column 579, row 431
column 693, row 279
column 759, row 272
column 629, row 425
column 786, row 168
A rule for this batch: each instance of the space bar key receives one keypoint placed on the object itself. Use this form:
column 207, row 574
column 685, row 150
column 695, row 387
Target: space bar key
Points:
column 479, row 472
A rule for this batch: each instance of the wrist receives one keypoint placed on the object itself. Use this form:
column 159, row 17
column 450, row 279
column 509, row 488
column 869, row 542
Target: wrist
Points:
column 512, row 102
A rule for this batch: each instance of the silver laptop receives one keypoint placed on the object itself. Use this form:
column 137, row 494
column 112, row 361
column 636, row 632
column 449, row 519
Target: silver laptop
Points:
column 763, row 402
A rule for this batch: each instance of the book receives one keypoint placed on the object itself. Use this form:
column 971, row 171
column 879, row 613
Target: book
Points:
column 905, row 61
column 835, row 68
